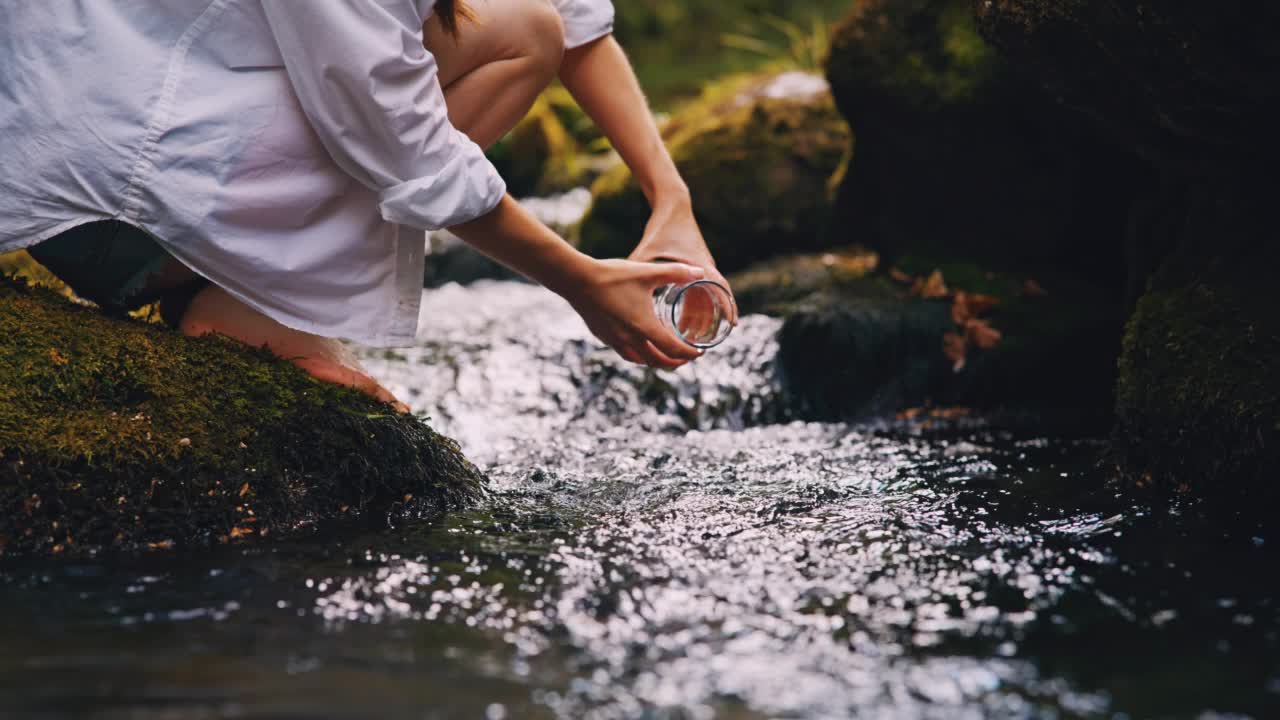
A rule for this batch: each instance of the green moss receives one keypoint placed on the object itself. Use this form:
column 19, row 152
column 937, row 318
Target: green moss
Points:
column 1199, row 392
column 116, row 433
column 538, row 156
column 917, row 53
column 22, row 265
column 758, row 170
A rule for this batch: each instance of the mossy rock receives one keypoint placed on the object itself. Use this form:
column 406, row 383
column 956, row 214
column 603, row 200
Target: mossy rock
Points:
column 1198, row 403
column 959, row 156
column 778, row 285
column 1194, row 89
column 858, row 343
column 538, row 156
column 581, row 129
column 758, row 153
column 121, row 434
column 1191, row 85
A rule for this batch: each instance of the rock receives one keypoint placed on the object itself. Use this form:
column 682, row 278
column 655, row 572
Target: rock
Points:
column 858, row 343
column 1190, row 85
column 117, row 434
column 1198, row 402
column 538, row 156
column 758, row 153
column 1194, row 88
column 959, row 157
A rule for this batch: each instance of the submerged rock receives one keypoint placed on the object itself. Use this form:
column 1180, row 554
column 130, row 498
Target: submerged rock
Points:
column 122, row 434
column 759, row 154
column 856, row 342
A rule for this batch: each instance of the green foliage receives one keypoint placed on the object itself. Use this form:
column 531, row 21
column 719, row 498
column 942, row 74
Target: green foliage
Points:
column 916, row 54
column 677, row 45
column 116, row 433
column 802, row 47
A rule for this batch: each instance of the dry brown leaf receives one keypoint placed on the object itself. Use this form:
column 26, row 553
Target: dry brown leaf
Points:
column 980, row 304
column 899, row 276
column 960, row 310
column 910, row 413
column 982, row 335
column 935, row 287
column 954, row 348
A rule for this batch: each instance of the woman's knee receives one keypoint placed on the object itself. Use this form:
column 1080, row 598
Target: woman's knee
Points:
column 543, row 34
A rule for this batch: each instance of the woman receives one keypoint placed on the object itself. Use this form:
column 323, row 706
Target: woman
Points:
column 265, row 168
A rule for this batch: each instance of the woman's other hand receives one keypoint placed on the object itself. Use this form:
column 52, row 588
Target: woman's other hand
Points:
column 601, row 80
column 673, row 234
column 615, row 299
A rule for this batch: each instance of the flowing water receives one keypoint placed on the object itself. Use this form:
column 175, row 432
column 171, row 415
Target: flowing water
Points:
column 673, row 546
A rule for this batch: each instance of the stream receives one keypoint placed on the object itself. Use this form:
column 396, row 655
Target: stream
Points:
column 675, row 545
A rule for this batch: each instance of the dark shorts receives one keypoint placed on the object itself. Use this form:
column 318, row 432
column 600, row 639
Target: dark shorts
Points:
column 110, row 263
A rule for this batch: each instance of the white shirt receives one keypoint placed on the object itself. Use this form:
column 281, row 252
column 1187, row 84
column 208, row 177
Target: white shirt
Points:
column 290, row 151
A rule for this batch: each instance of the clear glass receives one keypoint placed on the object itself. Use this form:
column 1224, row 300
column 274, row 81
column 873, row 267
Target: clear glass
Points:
column 698, row 312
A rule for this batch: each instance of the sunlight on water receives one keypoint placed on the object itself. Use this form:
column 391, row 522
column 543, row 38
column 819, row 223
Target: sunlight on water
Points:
column 673, row 545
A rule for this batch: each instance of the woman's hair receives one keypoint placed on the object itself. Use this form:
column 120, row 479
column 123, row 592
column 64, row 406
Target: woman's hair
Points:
column 449, row 12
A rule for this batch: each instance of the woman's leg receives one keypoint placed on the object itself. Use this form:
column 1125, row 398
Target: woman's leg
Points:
column 497, row 65
column 491, row 74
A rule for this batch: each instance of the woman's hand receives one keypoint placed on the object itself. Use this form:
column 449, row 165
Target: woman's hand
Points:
column 615, row 298
column 673, row 234
column 601, row 80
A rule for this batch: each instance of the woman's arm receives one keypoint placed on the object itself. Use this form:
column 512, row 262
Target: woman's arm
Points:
column 602, row 81
column 614, row 297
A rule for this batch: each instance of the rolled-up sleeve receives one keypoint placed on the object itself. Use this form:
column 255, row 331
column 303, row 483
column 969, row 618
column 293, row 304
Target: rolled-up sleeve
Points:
column 371, row 92
column 585, row 20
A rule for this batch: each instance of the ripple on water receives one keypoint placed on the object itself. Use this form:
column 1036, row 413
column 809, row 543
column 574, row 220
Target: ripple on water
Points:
column 671, row 546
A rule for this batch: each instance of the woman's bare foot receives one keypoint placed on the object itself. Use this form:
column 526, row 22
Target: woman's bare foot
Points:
column 213, row 310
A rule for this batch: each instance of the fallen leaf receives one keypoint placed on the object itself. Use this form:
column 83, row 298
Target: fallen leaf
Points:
column 960, row 310
column 954, row 347
column 244, row 489
column 934, row 287
column 981, row 334
column 980, row 304
column 239, row 532
column 910, row 413
column 57, row 358
column 899, row 276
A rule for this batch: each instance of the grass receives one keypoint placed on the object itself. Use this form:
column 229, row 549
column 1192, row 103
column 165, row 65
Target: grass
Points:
column 676, row 47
